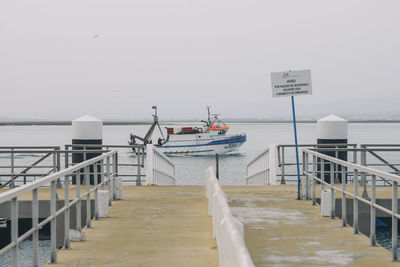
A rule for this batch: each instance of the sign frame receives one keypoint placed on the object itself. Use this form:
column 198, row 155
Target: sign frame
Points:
column 291, row 83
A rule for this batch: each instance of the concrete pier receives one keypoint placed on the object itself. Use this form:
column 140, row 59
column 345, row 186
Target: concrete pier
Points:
column 170, row 226
column 283, row 231
column 152, row 226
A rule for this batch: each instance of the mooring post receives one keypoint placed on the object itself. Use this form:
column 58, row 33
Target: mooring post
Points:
column 217, row 165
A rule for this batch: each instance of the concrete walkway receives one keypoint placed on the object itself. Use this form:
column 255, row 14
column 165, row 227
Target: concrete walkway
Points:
column 283, row 231
column 152, row 226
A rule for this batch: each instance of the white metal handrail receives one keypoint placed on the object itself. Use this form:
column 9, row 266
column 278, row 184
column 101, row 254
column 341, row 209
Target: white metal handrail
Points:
column 14, row 168
column 160, row 170
column 227, row 230
column 126, row 169
column 287, row 160
column 107, row 176
column 262, row 169
column 321, row 160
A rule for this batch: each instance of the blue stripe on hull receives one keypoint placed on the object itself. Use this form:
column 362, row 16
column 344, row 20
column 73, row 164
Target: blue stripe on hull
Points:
column 187, row 152
column 241, row 139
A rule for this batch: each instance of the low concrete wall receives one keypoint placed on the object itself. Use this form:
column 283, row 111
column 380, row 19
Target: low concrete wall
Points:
column 364, row 213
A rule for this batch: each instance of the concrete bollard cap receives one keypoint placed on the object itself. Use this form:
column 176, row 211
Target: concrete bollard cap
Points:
column 332, row 127
column 87, row 128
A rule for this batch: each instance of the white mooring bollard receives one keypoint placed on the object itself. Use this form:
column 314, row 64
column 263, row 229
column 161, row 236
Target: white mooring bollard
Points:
column 103, row 198
column 326, row 203
column 332, row 130
column 118, row 188
column 86, row 130
column 76, row 236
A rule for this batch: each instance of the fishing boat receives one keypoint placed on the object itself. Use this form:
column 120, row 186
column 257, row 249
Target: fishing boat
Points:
column 209, row 139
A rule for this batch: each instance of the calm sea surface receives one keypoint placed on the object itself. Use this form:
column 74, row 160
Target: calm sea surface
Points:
column 191, row 170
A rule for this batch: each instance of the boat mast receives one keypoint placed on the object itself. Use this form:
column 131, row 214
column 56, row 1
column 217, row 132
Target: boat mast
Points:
column 151, row 130
column 209, row 116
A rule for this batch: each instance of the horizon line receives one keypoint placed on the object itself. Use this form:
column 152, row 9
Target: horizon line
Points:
column 143, row 122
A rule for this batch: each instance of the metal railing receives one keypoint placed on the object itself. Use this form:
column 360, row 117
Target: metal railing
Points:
column 159, row 168
column 227, row 230
column 262, row 169
column 102, row 168
column 287, row 161
column 319, row 161
column 41, row 170
column 13, row 163
column 371, row 157
column 367, row 155
column 127, row 170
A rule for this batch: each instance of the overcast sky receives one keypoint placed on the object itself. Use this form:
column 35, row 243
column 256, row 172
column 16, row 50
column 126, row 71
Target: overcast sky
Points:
column 115, row 59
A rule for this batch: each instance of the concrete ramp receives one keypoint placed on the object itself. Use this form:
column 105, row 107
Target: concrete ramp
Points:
column 152, row 226
column 283, row 231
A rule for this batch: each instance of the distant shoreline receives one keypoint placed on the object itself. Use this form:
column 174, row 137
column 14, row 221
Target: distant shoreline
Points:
column 63, row 123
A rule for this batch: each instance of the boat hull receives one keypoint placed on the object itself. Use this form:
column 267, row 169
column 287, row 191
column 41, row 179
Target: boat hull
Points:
column 221, row 146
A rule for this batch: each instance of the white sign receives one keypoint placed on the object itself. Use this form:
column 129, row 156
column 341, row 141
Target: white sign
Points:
column 291, row 83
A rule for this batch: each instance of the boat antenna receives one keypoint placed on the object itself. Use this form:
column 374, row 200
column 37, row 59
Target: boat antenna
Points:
column 156, row 122
column 209, row 116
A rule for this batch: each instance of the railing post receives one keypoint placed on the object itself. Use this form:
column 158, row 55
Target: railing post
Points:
column 116, row 164
column 66, row 213
column 283, row 166
column 332, row 178
column 53, row 223
column 344, row 204
column 313, row 179
column 102, row 174
column 115, row 168
column 355, row 203
column 66, row 158
column 322, row 175
column 109, row 180
column 78, row 203
column 373, row 212
column 96, row 195
column 14, row 230
column 12, row 184
column 88, row 208
column 336, row 167
column 304, row 177
column 58, row 160
column 149, row 165
column 55, row 167
column 363, row 174
column 54, row 162
column 394, row 220
column 35, row 234
column 138, row 177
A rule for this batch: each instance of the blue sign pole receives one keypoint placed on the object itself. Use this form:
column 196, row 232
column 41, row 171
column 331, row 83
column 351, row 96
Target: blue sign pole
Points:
column 297, row 150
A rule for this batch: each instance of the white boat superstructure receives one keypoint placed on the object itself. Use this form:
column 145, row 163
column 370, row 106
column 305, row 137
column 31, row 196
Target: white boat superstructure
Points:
column 201, row 141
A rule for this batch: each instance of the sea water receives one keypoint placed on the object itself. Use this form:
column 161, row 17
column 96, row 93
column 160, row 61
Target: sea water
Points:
column 190, row 170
